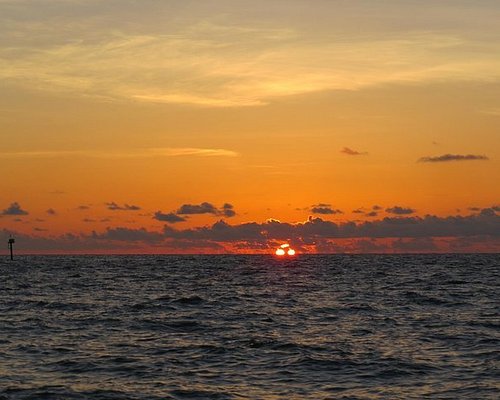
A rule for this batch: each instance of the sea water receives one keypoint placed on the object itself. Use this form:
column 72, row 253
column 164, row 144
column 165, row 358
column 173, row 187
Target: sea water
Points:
column 250, row 327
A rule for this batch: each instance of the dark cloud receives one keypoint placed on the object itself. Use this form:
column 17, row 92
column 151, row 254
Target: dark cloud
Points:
column 126, row 235
column 486, row 223
column 71, row 243
column 14, row 209
column 400, row 210
column 83, row 207
column 221, row 231
column 203, row 208
column 495, row 208
column 365, row 213
column 415, row 245
column 453, row 157
column 115, row 207
column 227, row 209
column 170, row 217
column 377, row 208
column 471, row 244
column 351, row 152
column 488, row 212
column 474, row 209
column 324, row 208
column 479, row 232
column 51, row 211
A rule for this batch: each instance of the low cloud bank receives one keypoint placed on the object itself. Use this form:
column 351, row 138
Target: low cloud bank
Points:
column 475, row 232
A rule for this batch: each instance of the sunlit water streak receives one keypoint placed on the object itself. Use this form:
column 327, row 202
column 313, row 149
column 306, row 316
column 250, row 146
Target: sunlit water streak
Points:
column 236, row 327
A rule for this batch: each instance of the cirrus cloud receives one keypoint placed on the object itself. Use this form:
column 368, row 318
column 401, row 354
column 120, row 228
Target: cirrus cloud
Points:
column 351, row 152
column 453, row 157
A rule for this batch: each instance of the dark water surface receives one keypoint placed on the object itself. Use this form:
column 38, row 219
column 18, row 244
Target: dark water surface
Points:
column 250, row 327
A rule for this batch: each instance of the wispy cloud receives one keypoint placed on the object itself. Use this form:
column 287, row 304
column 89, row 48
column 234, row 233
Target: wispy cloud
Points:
column 454, row 157
column 136, row 153
column 225, row 64
column 351, row 152
column 126, row 207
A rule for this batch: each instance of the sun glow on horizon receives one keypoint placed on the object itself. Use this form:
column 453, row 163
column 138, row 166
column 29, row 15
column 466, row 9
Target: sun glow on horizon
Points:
column 285, row 249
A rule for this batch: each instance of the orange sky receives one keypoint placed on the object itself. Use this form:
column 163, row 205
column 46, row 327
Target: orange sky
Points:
column 271, row 108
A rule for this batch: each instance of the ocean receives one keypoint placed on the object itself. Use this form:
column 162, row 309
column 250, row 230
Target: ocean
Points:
column 250, row 327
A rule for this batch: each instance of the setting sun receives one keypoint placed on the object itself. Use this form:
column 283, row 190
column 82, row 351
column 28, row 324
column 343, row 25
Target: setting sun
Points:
column 285, row 249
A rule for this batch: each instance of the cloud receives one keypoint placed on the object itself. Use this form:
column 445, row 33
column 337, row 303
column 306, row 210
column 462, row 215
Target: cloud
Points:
column 170, row 217
column 415, row 245
column 350, row 152
column 227, row 209
column 124, row 153
column 453, row 157
column 14, row 209
column 203, row 208
column 400, row 210
column 376, row 208
column 485, row 223
column 115, row 207
column 222, row 61
column 51, row 211
column 126, row 234
column 366, row 213
column 189, row 151
column 323, row 208
column 220, row 231
column 476, row 232
column 83, row 207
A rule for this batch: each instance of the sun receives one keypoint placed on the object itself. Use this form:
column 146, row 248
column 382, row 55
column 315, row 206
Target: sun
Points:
column 285, row 249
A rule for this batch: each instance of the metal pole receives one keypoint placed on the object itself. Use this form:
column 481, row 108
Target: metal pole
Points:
column 11, row 245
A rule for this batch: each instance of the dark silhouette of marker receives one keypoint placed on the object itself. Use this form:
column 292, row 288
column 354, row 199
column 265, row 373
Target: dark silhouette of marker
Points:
column 11, row 247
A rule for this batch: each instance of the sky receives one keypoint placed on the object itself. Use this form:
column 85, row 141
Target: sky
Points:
column 228, row 126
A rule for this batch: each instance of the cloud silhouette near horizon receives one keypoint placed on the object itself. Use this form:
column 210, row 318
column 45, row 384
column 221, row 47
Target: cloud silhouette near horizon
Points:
column 325, row 209
column 407, row 233
column 453, row 157
column 226, row 210
column 14, row 209
column 168, row 217
column 398, row 210
column 351, row 152
column 126, row 207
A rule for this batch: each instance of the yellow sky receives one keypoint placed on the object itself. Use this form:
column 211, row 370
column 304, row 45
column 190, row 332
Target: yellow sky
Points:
column 247, row 103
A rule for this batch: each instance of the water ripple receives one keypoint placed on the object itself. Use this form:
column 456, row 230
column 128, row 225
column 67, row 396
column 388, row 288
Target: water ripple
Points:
column 250, row 327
